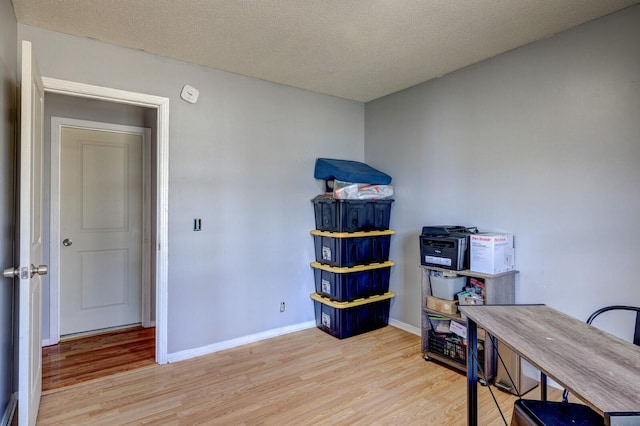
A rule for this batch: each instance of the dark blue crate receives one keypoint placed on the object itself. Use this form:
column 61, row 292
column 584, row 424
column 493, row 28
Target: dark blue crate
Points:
column 351, row 249
column 346, row 319
column 348, row 284
column 351, row 215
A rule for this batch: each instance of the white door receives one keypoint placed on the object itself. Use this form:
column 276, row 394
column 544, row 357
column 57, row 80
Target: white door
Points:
column 101, row 193
column 30, row 304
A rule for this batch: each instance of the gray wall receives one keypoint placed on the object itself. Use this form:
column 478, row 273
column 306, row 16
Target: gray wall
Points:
column 543, row 142
column 241, row 159
column 81, row 109
column 8, row 55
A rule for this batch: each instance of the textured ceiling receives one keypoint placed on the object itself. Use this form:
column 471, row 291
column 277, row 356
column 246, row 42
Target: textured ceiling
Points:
column 354, row 49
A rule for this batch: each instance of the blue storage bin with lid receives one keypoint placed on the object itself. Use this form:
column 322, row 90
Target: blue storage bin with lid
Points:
column 348, row 284
column 351, row 215
column 350, row 249
column 346, row 319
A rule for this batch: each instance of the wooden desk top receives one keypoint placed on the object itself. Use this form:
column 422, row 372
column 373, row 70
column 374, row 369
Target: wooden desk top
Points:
column 595, row 366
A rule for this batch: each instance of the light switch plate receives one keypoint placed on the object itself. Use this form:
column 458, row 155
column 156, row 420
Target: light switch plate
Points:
column 190, row 94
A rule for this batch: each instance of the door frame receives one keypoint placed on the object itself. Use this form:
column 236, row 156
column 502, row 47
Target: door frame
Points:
column 161, row 104
column 57, row 123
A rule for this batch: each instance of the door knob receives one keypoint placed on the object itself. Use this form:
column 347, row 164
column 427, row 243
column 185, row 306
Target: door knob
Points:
column 11, row 272
column 67, row 242
column 22, row 272
column 40, row 270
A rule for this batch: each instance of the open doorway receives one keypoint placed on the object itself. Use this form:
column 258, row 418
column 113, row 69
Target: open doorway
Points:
column 100, row 215
column 80, row 101
column 100, row 293
column 100, row 209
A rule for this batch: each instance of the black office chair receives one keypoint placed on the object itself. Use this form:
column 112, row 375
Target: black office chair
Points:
column 529, row 412
column 541, row 413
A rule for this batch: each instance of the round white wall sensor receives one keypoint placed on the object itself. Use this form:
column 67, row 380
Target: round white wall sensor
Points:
column 190, row 94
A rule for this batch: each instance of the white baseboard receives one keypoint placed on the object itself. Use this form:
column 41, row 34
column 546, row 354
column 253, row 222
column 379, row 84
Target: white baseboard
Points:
column 406, row 327
column 10, row 410
column 228, row 344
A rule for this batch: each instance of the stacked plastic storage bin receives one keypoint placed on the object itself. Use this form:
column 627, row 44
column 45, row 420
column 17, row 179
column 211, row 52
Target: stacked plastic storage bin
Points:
column 352, row 267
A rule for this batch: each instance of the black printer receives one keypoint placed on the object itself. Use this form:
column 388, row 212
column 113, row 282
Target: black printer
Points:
column 445, row 246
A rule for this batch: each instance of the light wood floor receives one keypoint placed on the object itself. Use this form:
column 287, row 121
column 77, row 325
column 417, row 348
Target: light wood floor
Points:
column 86, row 358
column 303, row 378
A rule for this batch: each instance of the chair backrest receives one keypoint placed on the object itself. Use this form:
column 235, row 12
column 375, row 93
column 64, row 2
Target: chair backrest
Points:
column 636, row 334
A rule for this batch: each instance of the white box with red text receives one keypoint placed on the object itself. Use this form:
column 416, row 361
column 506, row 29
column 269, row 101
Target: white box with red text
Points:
column 491, row 253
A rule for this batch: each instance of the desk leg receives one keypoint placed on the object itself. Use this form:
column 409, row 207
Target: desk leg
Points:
column 472, row 373
column 543, row 386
